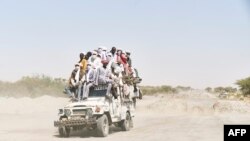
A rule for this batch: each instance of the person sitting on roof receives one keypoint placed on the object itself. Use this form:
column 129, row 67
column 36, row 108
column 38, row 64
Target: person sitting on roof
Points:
column 90, row 79
column 83, row 61
column 83, row 66
column 110, row 60
column 73, row 83
column 94, row 60
column 116, row 79
column 129, row 61
column 99, row 76
column 113, row 52
column 122, row 59
column 128, row 53
column 103, row 74
column 102, row 51
column 88, row 56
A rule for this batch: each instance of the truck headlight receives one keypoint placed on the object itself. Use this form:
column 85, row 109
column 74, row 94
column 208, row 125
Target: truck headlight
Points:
column 67, row 112
column 97, row 109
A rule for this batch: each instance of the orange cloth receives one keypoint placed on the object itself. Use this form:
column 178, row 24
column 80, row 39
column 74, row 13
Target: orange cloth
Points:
column 84, row 63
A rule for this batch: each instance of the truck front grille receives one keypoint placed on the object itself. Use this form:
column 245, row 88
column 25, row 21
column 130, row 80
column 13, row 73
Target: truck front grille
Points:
column 79, row 111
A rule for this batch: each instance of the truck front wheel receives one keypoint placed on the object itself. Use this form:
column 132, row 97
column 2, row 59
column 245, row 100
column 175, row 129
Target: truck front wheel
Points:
column 102, row 129
column 64, row 131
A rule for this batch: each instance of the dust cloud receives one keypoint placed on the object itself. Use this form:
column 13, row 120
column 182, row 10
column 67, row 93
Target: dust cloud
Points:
column 188, row 116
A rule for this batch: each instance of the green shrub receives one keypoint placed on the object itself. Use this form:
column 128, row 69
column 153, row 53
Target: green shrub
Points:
column 219, row 90
column 182, row 88
column 225, row 89
column 244, row 85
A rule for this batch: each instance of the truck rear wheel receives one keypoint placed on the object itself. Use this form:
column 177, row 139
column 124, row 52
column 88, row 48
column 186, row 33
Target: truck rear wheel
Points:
column 102, row 129
column 134, row 102
column 125, row 124
column 140, row 94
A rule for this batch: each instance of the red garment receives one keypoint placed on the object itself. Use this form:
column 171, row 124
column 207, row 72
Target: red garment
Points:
column 123, row 59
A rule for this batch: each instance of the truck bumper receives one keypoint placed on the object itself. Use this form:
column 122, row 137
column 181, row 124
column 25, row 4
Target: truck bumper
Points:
column 72, row 123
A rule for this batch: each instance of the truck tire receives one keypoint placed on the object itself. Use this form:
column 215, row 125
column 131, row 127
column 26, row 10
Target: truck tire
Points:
column 64, row 132
column 140, row 94
column 60, row 130
column 131, row 123
column 102, row 129
column 125, row 124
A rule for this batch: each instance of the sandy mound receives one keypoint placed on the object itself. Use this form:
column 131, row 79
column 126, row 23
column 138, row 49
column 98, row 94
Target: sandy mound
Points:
column 231, row 107
column 195, row 103
column 28, row 105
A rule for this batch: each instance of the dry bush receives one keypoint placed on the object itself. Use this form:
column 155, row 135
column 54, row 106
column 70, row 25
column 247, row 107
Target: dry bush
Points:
column 33, row 86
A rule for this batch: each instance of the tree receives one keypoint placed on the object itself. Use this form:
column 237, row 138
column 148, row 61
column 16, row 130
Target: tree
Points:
column 182, row 88
column 244, row 85
column 209, row 89
column 219, row 90
column 230, row 89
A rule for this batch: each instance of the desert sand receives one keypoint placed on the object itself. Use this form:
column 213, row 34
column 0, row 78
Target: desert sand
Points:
column 187, row 116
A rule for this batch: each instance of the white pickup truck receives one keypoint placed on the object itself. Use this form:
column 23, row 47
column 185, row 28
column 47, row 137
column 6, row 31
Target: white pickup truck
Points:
column 96, row 113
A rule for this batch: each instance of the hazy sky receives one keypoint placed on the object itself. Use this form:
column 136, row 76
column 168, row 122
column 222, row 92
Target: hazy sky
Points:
column 173, row 42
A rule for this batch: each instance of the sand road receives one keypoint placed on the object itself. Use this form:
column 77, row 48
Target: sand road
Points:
column 189, row 116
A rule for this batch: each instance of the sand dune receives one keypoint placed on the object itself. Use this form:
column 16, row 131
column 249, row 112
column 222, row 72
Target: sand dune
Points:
column 189, row 116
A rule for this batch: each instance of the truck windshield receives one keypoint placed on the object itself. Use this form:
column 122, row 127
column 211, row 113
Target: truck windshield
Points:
column 98, row 91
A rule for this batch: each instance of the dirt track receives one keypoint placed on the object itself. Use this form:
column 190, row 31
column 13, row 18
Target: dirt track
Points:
column 191, row 116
